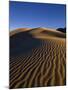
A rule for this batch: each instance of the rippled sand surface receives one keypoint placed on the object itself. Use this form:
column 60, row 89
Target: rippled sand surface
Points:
column 41, row 65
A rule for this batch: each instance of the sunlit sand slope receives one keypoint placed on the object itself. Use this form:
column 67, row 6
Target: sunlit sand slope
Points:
column 39, row 61
column 18, row 30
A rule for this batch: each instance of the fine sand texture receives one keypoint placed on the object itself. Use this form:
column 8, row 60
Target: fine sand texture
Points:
column 37, row 58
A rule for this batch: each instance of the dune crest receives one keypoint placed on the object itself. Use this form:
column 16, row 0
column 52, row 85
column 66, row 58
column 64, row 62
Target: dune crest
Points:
column 44, row 33
column 18, row 30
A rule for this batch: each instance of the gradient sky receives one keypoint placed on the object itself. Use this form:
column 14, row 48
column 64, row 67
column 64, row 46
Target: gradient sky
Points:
column 31, row 15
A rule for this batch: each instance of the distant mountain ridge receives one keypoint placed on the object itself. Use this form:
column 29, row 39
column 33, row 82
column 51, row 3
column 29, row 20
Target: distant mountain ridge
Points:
column 62, row 30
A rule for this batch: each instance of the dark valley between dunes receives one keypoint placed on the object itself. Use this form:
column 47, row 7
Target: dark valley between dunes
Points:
column 37, row 58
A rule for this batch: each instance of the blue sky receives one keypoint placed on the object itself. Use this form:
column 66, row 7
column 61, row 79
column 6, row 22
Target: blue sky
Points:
column 32, row 15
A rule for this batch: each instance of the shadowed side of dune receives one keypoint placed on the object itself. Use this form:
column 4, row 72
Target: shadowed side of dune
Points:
column 22, row 42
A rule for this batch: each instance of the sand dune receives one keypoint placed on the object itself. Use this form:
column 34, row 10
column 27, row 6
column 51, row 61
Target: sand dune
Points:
column 37, row 58
column 13, row 32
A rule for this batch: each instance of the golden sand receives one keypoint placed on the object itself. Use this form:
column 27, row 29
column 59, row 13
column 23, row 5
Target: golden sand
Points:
column 42, row 66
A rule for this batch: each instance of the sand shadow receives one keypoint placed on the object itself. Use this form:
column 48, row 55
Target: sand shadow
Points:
column 22, row 43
